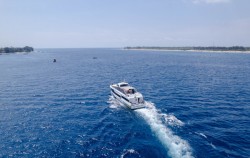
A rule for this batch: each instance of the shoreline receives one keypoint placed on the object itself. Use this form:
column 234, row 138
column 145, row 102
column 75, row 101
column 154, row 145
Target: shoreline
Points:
column 202, row 51
column 1, row 53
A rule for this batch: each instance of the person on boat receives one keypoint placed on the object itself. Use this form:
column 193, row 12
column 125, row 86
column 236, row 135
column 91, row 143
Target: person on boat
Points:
column 130, row 91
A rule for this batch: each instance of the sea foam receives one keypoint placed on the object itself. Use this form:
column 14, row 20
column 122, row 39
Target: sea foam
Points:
column 130, row 152
column 176, row 147
column 114, row 104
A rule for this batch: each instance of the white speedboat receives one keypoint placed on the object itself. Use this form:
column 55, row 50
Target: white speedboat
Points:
column 127, row 95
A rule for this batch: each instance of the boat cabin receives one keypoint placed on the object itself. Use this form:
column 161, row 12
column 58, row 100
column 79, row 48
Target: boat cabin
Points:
column 129, row 90
column 126, row 88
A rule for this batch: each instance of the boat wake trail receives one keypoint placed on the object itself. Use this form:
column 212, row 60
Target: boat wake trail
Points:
column 177, row 147
column 114, row 104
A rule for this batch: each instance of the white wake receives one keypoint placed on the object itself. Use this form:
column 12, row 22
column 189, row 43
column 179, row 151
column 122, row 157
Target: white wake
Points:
column 176, row 147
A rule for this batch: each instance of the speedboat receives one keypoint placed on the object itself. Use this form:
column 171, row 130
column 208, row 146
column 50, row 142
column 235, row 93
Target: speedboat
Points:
column 127, row 95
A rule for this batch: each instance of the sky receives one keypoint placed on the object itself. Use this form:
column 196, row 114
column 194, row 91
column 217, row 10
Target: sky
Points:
column 120, row 23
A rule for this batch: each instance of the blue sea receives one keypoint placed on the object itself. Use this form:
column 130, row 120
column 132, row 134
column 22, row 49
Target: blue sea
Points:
column 199, row 104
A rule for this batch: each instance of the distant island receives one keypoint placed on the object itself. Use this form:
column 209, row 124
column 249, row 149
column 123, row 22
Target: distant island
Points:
column 16, row 49
column 233, row 48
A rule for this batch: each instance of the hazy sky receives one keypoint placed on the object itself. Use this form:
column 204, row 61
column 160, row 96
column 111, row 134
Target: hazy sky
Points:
column 118, row 23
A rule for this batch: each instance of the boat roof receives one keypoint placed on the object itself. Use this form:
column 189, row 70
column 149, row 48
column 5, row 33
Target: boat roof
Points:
column 122, row 83
column 128, row 88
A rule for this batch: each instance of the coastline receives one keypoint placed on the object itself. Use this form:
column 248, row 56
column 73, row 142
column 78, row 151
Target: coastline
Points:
column 1, row 53
column 202, row 51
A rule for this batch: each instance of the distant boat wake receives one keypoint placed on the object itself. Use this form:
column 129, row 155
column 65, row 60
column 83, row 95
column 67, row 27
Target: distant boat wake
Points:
column 176, row 147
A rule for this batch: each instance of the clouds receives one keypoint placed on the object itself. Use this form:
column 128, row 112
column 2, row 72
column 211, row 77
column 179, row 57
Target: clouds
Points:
column 210, row 1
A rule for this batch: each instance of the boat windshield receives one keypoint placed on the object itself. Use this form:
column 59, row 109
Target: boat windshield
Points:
column 131, row 91
column 123, row 85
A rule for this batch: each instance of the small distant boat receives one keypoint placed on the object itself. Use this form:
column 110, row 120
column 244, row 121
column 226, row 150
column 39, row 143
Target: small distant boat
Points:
column 127, row 95
column 54, row 60
column 94, row 57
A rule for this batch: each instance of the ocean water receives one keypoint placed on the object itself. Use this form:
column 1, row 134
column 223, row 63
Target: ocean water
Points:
column 198, row 104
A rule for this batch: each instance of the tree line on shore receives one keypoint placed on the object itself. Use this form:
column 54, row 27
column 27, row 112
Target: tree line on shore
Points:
column 212, row 48
column 16, row 49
